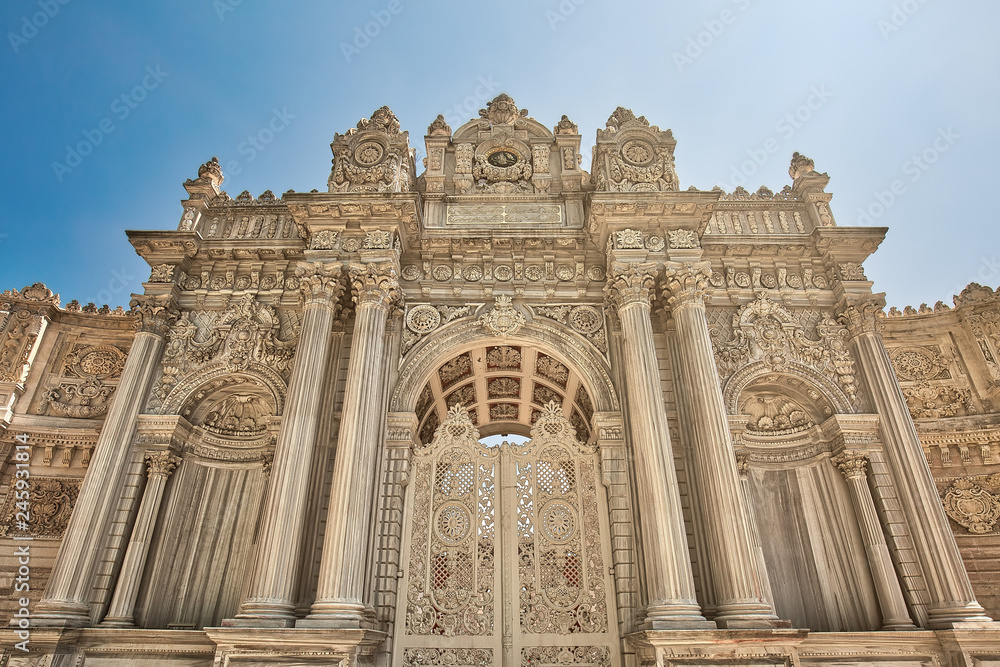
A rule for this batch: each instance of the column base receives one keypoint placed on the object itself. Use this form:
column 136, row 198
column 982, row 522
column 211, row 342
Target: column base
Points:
column 333, row 614
column 55, row 614
column 676, row 616
column 901, row 626
column 755, row 615
column 117, row 622
column 960, row 616
column 261, row 614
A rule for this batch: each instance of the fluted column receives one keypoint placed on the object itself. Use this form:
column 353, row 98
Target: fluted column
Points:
column 271, row 598
column 890, row 596
column 740, row 600
column 160, row 465
column 340, row 594
column 672, row 602
column 67, row 596
column 743, row 468
column 951, row 602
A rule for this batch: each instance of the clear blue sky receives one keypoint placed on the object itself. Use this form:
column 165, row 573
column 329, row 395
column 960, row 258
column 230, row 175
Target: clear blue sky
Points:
column 887, row 80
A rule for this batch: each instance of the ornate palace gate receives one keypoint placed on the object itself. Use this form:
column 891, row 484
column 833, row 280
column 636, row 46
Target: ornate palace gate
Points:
column 507, row 552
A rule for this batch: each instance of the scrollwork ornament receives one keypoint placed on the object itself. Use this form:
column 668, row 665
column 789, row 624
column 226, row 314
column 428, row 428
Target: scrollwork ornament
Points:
column 686, row 283
column 153, row 314
column 377, row 284
column 630, row 283
column 972, row 506
column 161, row 463
column 864, row 315
column 319, row 283
column 502, row 319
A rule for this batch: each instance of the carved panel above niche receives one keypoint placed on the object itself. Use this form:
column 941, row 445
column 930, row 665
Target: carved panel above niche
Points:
column 529, row 216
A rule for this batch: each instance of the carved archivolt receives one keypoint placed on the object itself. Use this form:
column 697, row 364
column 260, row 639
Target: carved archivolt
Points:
column 764, row 332
column 974, row 502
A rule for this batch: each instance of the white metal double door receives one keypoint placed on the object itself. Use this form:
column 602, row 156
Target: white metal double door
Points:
column 506, row 556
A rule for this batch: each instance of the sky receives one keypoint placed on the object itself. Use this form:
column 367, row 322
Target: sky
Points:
column 111, row 106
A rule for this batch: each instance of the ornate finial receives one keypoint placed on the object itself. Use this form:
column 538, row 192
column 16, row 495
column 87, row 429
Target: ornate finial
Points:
column 502, row 320
column 456, row 429
column 800, row 166
column 551, row 425
column 621, row 116
column 565, row 126
column 502, row 110
column 439, row 128
column 383, row 120
column 212, row 170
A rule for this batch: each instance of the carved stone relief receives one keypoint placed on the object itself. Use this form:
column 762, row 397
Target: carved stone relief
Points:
column 974, row 502
column 45, row 513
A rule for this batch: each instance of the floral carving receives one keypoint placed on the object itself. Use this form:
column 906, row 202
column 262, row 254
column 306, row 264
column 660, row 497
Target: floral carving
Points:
column 682, row 238
column 502, row 319
column 628, row 238
column 19, row 334
column 629, row 283
column 455, row 370
column 968, row 502
column 686, row 283
column 502, row 110
column 161, row 463
column 162, row 273
column 50, row 502
column 153, row 314
column 377, row 284
column 919, row 363
column 504, row 357
column 775, row 415
column 765, row 332
column 926, row 401
column 374, row 157
column 851, row 463
column 864, row 315
column 633, row 156
column 84, row 400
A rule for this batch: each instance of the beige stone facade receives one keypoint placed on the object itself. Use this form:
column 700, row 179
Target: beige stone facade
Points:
column 284, row 453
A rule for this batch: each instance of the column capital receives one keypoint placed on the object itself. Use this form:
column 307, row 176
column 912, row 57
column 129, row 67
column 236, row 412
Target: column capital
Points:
column 630, row 283
column 161, row 463
column 320, row 283
column 686, row 282
column 851, row 463
column 376, row 283
column 153, row 314
column 743, row 464
column 862, row 314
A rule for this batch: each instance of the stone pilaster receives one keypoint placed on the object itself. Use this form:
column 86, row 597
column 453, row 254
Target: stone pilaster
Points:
column 672, row 602
column 160, row 464
column 951, row 601
column 743, row 468
column 67, row 596
column 890, row 596
column 271, row 598
column 740, row 599
column 340, row 596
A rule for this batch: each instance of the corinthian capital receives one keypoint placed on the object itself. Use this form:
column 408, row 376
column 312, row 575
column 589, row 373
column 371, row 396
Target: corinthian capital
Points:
column 863, row 315
column 686, row 282
column 153, row 314
column 852, row 464
column 161, row 463
column 630, row 283
column 320, row 283
column 377, row 284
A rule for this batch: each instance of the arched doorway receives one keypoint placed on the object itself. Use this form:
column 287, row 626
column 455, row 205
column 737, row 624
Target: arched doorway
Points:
column 506, row 551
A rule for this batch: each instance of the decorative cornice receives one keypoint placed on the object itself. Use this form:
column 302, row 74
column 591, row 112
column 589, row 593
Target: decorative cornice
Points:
column 153, row 314
column 685, row 283
column 630, row 283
